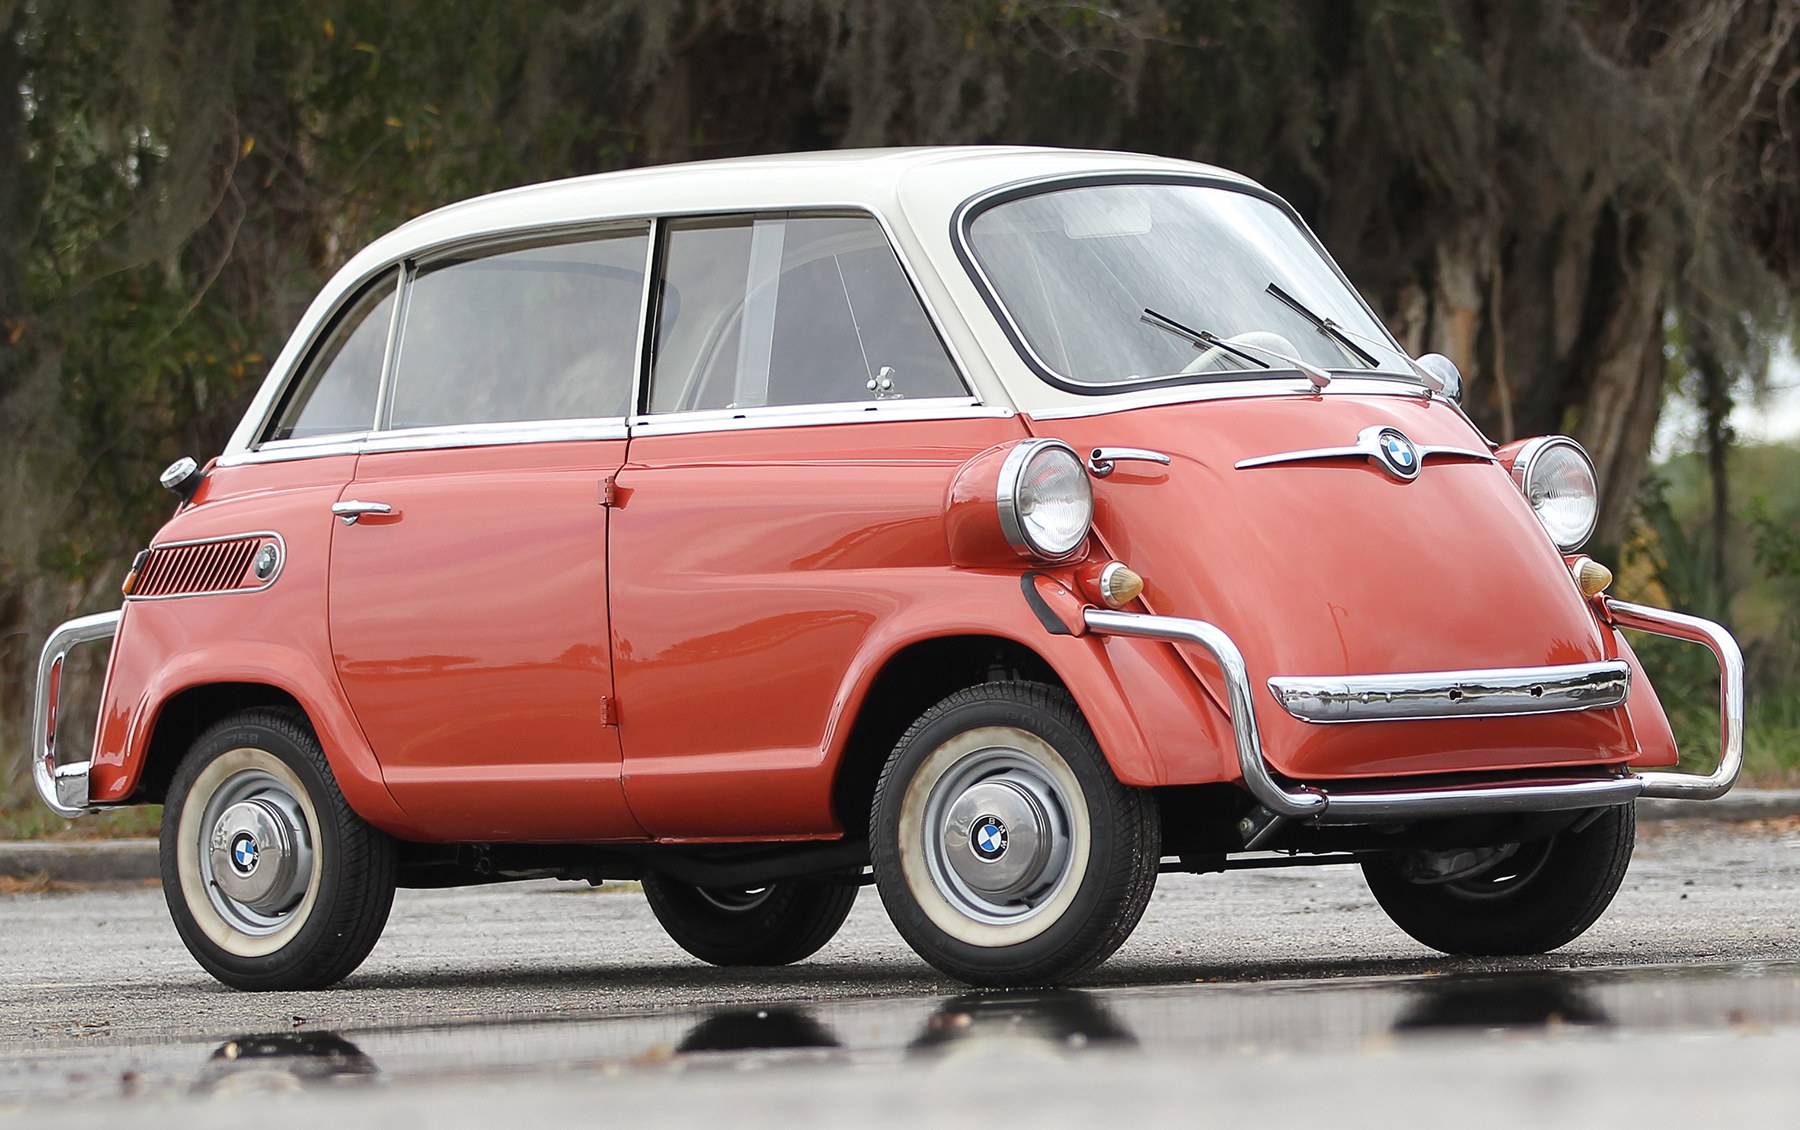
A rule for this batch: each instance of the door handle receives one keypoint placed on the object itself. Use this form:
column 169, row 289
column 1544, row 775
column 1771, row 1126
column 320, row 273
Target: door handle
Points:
column 351, row 509
column 1102, row 459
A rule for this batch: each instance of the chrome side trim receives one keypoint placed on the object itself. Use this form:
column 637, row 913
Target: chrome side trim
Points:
column 63, row 788
column 1676, row 625
column 1311, row 803
column 1454, row 694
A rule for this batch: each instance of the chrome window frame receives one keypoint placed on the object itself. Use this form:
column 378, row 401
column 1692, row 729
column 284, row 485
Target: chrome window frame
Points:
column 380, row 439
column 660, row 255
column 493, row 432
column 328, row 326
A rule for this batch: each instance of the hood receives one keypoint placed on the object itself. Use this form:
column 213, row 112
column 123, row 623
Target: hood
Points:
column 1325, row 565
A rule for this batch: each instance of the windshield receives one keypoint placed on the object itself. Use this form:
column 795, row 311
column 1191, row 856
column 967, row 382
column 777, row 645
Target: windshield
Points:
column 1091, row 275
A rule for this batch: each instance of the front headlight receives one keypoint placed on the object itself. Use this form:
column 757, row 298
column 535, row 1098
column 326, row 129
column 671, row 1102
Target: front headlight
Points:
column 1046, row 501
column 1557, row 478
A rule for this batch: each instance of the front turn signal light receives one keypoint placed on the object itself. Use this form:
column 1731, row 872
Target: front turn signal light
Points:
column 1591, row 577
column 129, row 585
column 1115, row 584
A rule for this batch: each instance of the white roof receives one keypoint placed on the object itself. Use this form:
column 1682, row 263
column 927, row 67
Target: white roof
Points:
column 876, row 179
column 914, row 192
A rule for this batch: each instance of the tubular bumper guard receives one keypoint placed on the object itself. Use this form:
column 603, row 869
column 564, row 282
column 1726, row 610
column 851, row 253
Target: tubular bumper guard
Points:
column 1447, row 694
column 63, row 787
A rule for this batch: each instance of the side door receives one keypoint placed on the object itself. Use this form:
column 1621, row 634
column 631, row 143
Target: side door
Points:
column 468, row 599
column 782, row 502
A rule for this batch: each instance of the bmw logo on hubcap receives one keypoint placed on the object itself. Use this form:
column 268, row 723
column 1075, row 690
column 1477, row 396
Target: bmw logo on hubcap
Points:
column 1397, row 454
column 244, row 854
column 989, row 838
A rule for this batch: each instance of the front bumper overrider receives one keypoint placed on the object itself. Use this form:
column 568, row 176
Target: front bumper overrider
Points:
column 1454, row 694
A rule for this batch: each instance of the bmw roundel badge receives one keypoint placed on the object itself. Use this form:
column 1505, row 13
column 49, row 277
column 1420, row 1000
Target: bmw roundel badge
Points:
column 1396, row 454
column 244, row 854
column 989, row 838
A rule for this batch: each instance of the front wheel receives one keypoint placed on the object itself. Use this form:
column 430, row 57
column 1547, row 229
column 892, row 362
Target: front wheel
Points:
column 273, row 882
column 779, row 924
column 1513, row 899
column 1005, row 850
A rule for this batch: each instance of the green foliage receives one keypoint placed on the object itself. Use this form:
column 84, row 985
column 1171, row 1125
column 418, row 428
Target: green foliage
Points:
column 181, row 176
column 1760, row 599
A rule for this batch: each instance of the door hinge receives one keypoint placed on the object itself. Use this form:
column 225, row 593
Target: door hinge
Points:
column 609, row 711
column 609, row 492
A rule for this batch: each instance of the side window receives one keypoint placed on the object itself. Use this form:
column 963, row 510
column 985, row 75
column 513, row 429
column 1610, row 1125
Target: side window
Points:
column 539, row 333
column 785, row 310
column 336, row 392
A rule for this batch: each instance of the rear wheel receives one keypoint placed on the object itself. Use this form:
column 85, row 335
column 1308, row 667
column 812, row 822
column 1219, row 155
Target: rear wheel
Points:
column 778, row 924
column 1513, row 899
column 1005, row 850
column 272, row 881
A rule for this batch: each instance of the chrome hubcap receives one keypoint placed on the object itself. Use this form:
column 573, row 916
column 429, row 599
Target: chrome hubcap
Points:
column 998, row 836
column 257, row 858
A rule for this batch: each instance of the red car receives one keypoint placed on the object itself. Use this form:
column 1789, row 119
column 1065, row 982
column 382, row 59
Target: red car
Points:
column 1004, row 525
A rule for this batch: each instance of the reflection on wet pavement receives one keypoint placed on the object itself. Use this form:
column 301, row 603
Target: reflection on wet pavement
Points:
column 948, row 1033
column 281, row 1061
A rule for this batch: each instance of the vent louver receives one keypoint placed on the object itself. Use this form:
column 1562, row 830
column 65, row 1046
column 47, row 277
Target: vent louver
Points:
column 190, row 569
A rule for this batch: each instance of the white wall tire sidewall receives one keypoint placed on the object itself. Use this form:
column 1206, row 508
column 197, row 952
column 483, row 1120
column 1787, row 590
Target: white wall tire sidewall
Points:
column 922, row 886
column 191, row 839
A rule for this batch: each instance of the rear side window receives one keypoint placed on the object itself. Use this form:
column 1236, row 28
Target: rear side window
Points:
column 336, row 392
column 538, row 333
column 788, row 310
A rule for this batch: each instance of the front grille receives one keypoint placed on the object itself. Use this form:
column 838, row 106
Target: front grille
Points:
column 202, row 567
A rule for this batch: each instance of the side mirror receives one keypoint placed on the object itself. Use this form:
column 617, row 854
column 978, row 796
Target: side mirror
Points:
column 1444, row 370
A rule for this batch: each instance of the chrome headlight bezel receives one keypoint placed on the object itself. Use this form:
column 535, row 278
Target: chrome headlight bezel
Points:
column 1021, row 516
column 1536, row 461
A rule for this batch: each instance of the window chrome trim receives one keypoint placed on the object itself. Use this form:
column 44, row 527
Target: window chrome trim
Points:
column 442, row 439
column 813, row 415
column 490, row 435
column 1498, row 693
column 845, row 211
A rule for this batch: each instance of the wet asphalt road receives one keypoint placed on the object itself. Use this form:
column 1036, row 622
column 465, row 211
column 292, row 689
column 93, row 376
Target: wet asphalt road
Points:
column 1282, row 995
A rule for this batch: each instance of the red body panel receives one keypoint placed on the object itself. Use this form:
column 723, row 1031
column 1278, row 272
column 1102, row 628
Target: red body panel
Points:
column 759, row 580
column 469, row 630
column 276, row 637
column 1333, row 567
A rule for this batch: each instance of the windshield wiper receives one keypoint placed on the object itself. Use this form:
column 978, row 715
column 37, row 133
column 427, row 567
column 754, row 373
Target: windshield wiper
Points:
column 1202, row 339
column 1326, row 327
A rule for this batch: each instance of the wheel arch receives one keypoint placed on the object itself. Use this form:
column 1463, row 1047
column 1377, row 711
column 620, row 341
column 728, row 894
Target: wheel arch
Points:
column 185, row 716
column 189, row 690
column 912, row 680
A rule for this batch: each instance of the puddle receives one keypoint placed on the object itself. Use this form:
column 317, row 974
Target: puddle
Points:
column 970, row 1030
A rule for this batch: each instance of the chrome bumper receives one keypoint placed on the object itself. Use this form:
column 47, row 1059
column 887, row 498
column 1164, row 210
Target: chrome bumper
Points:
column 1455, row 694
column 63, row 787
column 1446, row 694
